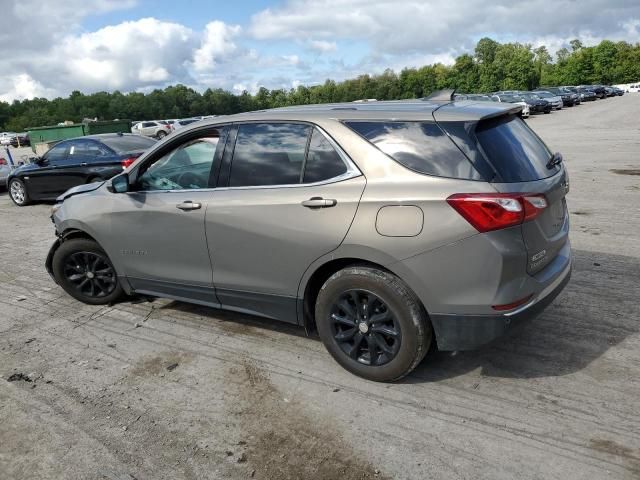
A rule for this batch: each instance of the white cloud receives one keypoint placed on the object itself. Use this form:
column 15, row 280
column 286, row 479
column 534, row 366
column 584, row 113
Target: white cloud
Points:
column 416, row 26
column 295, row 42
column 217, row 43
column 323, row 46
column 21, row 86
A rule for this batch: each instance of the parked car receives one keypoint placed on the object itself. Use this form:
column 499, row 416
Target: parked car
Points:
column 184, row 122
column 515, row 100
column 553, row 99
column 21, row 139
column 618, row 91
column 472, row 96
column 392, row 227
column 536, row 104
column 152, row 129
column 93, row 158
column 5, row 137
column 569, row 98
column 599, row 90
column 586, row 95
column 610, row 92
column 5, row 170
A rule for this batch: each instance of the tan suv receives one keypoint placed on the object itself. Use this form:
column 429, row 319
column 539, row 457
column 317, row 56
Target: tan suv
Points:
column 391, row 227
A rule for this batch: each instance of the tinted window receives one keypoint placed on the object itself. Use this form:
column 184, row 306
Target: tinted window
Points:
column 87, row 150
column 148, row 124
column 128, row 143
column 58, row 153
column 323, row 162
column 514, row 150
column 268, row 154
column 419, row 146
column 187, row 167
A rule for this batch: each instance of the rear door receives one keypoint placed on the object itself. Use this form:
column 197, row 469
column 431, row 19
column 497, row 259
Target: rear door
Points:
column 290, row 197
column 520, row 158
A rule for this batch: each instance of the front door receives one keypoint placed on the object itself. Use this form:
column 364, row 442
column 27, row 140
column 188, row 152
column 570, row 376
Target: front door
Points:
column 291, row 197
column 158, row 228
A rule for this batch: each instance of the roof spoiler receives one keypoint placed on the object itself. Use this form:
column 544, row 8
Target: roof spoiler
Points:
column 446, row 95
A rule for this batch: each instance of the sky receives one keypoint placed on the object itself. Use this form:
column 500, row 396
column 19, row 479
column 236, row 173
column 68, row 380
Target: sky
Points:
column 51, row 48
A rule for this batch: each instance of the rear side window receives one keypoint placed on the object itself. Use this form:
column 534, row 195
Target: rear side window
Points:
column 516, row 153
column 269, row 154
column 323, row 162
column 420, row 146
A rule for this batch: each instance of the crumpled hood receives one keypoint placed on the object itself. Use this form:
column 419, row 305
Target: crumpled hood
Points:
column 87, row 187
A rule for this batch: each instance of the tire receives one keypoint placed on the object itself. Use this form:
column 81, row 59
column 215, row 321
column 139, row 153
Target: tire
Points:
column 389, row 298
column 160, row 135
column 85, row 272
column 18, row 192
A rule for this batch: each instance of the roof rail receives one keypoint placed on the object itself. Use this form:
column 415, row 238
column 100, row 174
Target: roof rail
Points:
column 445, row 95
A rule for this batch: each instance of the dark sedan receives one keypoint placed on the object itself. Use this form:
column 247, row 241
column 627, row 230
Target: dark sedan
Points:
column 536, row 104
column 20, row 140
column 73, row 162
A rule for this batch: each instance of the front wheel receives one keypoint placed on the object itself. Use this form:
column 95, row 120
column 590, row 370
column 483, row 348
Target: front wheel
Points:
column 372, row 324
column 18, row 192
column 85, row 272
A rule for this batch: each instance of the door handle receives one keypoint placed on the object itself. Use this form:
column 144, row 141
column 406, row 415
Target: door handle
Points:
column 188, row 205
column 319, row 202
column 84, row 164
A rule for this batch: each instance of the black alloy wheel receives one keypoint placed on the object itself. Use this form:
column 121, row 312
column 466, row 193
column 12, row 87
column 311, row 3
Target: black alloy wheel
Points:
column 365, row 328
column 90, row 273
column 83, row 269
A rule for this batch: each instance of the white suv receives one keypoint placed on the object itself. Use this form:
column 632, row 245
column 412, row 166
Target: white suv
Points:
column 151, row 129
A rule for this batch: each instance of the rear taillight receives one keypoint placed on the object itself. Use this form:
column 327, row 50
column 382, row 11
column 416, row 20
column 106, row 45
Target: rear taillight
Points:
column 494, row 211
column 127, row 162
column 512, row 305
column 3, row 161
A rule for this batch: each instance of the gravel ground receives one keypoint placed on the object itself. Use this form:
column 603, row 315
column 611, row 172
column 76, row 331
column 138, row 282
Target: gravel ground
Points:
column 167, row 390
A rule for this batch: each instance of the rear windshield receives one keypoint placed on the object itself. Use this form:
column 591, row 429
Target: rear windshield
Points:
column 514, row 150
column 420, row 146
column 128, row 143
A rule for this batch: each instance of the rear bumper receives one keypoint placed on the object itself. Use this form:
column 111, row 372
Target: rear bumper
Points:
column 468, row 332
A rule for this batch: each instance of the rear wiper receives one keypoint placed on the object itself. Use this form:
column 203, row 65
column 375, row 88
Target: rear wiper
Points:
column 556, row 159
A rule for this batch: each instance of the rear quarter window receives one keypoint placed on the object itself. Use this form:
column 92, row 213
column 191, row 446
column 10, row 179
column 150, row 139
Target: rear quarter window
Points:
column 419, row 146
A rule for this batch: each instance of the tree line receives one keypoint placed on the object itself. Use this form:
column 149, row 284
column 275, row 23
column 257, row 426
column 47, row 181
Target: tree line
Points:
column 493, row 66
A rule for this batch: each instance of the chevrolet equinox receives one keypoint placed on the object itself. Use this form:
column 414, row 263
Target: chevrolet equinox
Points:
column 391, row 227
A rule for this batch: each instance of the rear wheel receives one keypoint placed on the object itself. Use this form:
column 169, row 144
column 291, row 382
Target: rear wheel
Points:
column 85, row 272
column 18, row 192
column 372, row 324
column 160, row 135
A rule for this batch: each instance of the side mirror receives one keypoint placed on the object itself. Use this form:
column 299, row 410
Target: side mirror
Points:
column 120, row 184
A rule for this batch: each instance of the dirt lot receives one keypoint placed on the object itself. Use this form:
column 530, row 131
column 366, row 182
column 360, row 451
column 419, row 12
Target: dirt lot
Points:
column 166, row 390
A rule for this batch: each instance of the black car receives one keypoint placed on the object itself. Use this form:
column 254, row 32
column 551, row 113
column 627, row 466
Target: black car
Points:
column 618, row 91
column 586, row 94
column 20, row 140
column 599, row 90
column 536, row 104
column 73, row 162
column 568, row 98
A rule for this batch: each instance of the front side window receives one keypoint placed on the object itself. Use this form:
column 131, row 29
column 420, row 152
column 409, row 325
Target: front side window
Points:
column 186, row 167
column 420, row 146
column 57, row 154
column 269, row 154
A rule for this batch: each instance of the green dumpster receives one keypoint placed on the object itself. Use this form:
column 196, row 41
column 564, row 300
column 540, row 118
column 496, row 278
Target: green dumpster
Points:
column 42, row 138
